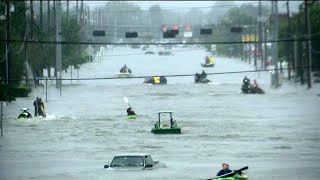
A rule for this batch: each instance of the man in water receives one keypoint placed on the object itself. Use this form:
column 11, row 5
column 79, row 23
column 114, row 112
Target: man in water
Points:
column 36, row 107
column 130, row 112
column 41, row 108
column 225, row 170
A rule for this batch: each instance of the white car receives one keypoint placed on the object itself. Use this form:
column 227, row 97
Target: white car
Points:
column 133, row 162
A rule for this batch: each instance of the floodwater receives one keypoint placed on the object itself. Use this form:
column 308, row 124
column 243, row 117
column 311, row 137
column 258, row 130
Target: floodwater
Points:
column 276, row 134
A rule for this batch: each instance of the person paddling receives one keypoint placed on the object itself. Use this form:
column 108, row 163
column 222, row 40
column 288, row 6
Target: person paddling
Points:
column 225, row 170
column 130, row 112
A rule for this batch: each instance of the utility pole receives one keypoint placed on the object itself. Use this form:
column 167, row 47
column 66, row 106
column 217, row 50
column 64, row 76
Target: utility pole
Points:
column 307, row 35
column 55, row 29
column 275, row 38
column 288, row 43
column 58, row 45
column 8, row 44
column 255, row 45
column 31, row 18
column 265, row 47
column 67, row 11
column 77, row 10
column 48, row 16
column 41, row 13
column 301, row 62
column 48, row 29
column 260, row 35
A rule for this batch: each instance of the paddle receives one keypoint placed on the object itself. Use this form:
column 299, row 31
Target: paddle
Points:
column 127, row 101
column 233, row 172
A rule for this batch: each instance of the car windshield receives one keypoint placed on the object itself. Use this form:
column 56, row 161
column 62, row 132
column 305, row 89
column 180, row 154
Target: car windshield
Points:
column 127, row 161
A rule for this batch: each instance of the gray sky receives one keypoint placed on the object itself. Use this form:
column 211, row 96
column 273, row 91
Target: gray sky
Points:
column 189, row 4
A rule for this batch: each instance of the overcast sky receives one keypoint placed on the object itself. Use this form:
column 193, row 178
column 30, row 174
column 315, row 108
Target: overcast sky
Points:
column 189, row 4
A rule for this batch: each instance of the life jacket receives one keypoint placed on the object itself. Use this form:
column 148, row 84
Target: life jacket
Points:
column 156, row 79
column 211, row 60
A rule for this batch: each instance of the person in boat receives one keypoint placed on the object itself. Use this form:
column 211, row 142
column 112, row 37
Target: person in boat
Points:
column 197, row 77
column 207, row 60
column 211, row 60
column 124, row 69
column 25, row 114
column 246, row 80
column 246, row 84
column 225, row 170
column 203, row 75
column 255, row 84
column 156, row 79
column 130, row 112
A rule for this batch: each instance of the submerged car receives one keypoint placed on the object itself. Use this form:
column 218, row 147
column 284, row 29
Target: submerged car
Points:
column 133, row 162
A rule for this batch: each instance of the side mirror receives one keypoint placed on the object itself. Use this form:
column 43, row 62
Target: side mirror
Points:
column 148, row 166
column 106, row 166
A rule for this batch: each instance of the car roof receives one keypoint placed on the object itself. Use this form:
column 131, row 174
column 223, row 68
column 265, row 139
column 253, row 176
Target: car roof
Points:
column 165, row 112
column 133, row 154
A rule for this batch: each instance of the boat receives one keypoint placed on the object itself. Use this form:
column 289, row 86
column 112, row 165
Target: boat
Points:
column 252, row 90
column 207, row 65
column 165, row 128
column 243, row 176
column 234, row 175
column 124, row 75
column 155, row 80
column 24, row 114
column 202, row 79
column 165, row 53
column 132, row 117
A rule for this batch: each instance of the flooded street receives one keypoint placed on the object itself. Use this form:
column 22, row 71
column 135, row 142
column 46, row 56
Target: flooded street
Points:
column 276, row 134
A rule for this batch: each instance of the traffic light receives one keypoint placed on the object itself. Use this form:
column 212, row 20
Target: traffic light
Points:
column 188, row 27
column 99, row 33
column 164, row 28
column 236, row 29
column 205, row 31
column 131, row 34
column 176, row 27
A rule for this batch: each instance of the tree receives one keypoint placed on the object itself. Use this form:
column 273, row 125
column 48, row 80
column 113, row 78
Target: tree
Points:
column 156, row 15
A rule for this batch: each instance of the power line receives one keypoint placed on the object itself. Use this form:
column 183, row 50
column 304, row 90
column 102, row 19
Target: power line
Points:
column 172, row 75
column 151, row 43
column 167, row 9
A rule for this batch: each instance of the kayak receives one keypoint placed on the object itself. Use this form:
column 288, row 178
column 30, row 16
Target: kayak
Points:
column 236, row 177
column 132, row 117
column 207, row 65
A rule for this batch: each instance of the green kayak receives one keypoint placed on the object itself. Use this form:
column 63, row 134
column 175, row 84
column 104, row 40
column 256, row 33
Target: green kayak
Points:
column 132, row 117
column 235, row 177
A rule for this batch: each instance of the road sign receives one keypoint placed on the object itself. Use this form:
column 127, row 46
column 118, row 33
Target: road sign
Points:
column 188, row 34
column 213, row 47
column 89, row 49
